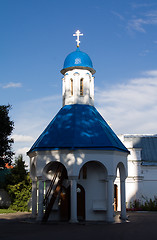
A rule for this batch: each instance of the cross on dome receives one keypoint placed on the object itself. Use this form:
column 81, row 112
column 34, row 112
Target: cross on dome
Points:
column 78, row 34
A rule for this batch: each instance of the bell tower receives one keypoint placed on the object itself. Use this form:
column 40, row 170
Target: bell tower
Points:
column 78, row 80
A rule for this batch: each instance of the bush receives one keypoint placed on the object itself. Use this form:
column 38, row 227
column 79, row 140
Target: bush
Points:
column 147, row 205
column 20, row 194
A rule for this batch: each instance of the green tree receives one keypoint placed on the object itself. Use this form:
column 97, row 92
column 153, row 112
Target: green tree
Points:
column 18, row 185
column 20, row 194
column 18, row 172
column 6, row 128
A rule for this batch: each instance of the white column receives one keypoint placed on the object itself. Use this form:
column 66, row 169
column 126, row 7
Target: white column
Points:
column 73, row 196
column 110, row 199
column 123, row 204
column 34, row 199
column 40, row 199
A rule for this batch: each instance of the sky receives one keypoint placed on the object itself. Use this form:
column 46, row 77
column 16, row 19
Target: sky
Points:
column 120, row 36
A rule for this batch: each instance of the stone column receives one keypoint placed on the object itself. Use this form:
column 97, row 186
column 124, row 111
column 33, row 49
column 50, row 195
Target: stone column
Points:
column 40, row 199
column 110, row 199
column 123, row 204
column 73, row 196
column 34, row 199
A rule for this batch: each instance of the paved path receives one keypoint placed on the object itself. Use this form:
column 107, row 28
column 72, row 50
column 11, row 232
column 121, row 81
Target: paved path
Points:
column 141, row 226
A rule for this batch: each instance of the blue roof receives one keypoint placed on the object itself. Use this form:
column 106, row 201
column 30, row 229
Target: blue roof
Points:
column 148, row 145
column 77, row 59
column 78, row 127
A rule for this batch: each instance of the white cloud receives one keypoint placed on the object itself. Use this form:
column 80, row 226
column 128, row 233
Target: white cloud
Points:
column 138, row 23
column 118, row 15
column 22, row 151
column 22, row 138
column 151, row 73
column 12, row 85
column 131, row 107
column 31, row 118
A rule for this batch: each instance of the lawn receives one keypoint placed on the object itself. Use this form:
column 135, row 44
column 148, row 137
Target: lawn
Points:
column 6, row 211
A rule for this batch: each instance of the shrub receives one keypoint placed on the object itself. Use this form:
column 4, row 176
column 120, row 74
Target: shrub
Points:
column 147, row 205
column 20, row 194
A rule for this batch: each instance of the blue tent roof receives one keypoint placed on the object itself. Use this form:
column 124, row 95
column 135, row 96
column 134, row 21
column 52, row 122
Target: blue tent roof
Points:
column 78, row 127
column 78, row 59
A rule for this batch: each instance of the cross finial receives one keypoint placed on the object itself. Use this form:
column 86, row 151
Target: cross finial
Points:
column 78, row 34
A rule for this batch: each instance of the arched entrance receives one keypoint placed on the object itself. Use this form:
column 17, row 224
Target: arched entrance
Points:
column 80, row 203
column 65, row 204
column 56, row 201
column 93, row 179
column 115, row 197
column 120, row 183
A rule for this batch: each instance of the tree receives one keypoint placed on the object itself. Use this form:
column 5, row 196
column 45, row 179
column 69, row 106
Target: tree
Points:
column 18, row 185
column 6, row 128
column 18, row 173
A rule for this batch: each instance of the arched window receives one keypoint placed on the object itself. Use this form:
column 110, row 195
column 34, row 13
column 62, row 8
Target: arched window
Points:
column 71, row 86
column 81, row 87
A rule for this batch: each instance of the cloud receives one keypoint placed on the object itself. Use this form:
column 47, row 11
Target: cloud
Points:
column 12, row 85
column 144, row 52
column 118, row 15
column 143, row 5
column 31, row 118
column 22, row 151
column 136, row 25
column 139, row 24
column 151, row 73
column 131, row 107
column 22, row 138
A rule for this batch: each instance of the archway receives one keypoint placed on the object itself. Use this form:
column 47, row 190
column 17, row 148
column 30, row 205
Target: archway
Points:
column 115, row 197
column 120, row 182
column 65, row 203
column 93, row 179
column 80, row 203
column 56, row 198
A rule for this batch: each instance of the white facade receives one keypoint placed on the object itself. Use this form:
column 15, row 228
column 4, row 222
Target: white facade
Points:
column 92, row 171
column 141, row 183
column 78, row 87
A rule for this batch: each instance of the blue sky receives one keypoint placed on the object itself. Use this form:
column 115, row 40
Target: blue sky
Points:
column 120, row 36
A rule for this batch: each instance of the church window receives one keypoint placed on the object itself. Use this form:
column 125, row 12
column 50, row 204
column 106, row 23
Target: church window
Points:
column 81, row 87
column 71, row 87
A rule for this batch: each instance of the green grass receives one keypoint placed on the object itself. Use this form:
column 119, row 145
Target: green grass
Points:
column 7, row 211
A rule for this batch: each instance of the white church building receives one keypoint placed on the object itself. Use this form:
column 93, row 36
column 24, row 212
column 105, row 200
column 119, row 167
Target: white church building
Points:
column 81, row 168
column 141, row 183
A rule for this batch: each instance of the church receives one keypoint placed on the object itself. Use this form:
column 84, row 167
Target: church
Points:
column 78, row 165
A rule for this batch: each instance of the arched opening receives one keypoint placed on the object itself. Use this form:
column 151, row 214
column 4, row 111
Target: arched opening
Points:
column 115, row 197
column 51, row 168
column 81, row 87
column 65, row 204
column 56, row 197
column 93, row 179
column 120, row 183
column 71, row 83
column 80, row 203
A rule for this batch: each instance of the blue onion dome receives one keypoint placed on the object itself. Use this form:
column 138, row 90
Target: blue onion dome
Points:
column 78, row 60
